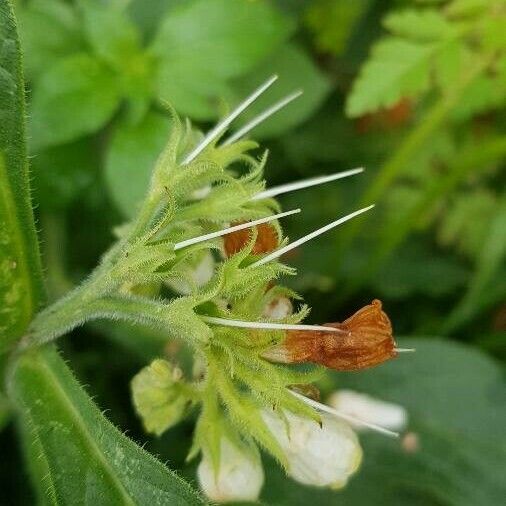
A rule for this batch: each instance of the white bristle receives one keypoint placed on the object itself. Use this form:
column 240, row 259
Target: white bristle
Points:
column 266, row 325
column 262, row 117
column 235, row 228
column 305, row 183
column 343, row 416
column 312, row 235
column 224, row 123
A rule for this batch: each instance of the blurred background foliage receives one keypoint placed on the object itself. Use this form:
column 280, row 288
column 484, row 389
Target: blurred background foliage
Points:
column 415, row 91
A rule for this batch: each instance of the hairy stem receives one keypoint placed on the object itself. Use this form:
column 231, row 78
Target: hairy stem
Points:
column 77, row 309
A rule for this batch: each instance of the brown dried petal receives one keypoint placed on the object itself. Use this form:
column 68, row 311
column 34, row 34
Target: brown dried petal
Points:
column 267, row 239
column 366, row 341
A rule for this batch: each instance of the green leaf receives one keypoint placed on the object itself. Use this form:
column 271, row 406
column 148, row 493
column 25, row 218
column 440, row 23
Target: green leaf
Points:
column 20, row 273
column 397, row 68
column 332, row 22
column 85, row 458
column 464, row 8
column 485, row 287
column 112, row 36
column 77, row 96
column 49, row 30
column 131, row 158
column 296, row 71
column 454, row 396
column 487, row 92
column 62, row 174
column 421, row 25
column 415, row 270
column 464, row 222
column 204, row 43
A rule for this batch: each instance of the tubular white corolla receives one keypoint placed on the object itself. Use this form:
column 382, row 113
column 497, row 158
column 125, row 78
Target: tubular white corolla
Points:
column 239, row 477
column 224, row 123
column 308, row 237
column 349, row 418
column 267, row 325
column 262, row 117
column 305, row 183
column 235, row 228
column 322, row 455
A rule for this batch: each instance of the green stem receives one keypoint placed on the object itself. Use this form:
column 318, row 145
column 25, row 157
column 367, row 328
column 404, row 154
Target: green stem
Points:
column 77, row 308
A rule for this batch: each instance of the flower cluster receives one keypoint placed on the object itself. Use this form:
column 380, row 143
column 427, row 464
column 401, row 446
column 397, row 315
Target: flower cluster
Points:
column 208, row 238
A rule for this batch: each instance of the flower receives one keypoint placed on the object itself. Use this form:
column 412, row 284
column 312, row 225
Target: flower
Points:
column 240, row 475
column 365, row 339
column 366, row 408
column 266, row 241
column 323, row 455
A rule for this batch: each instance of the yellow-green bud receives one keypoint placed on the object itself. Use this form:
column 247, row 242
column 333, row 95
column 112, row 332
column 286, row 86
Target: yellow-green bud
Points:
column 158, row 396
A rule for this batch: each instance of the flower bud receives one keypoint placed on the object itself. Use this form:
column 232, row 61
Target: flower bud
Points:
column 201, row 273
column 278, row 308
column 365, row 339
column 201, row 193
column 323, row 455
column 266, row 241
column 158, row 397
column 366, row 408
column 240, row 475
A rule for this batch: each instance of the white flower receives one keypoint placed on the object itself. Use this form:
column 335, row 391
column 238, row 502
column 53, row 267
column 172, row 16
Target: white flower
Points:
column 366, row 408
column 324, row 456
column 239, row 478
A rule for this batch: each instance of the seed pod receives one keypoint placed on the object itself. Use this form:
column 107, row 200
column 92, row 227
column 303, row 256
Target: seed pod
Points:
column 365, row 340
column 267, row 240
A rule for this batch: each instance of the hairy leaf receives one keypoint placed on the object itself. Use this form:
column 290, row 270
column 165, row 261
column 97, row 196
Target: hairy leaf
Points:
column 86, row 459
column 73, row 98
column 20, row 273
